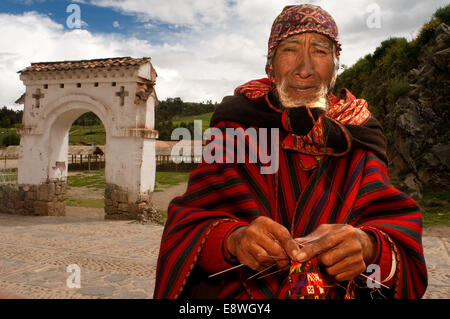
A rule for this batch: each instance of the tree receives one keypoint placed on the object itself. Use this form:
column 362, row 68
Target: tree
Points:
column 11, row 139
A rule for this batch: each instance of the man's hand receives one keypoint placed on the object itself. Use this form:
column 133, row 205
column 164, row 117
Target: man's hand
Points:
column 262, row 237
column 343, row 249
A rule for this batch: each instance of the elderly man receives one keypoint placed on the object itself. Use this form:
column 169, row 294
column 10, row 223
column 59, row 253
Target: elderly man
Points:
column 322, row 217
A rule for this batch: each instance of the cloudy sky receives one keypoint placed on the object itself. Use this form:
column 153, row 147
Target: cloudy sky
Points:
column 201, row 49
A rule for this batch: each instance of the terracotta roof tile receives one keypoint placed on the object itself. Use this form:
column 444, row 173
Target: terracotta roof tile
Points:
column 84, row 64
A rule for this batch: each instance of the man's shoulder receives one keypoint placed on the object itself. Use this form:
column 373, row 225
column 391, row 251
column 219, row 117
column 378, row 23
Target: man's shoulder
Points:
column 238, row 108
column 237, row 100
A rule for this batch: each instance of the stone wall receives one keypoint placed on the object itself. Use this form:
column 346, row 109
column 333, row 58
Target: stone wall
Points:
column 49, row 200
column 11, row 200
column 41, row 200
column 119, row 206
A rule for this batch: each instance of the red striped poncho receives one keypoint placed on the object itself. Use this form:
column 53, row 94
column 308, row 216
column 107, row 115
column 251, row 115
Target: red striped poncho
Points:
column 307, row 190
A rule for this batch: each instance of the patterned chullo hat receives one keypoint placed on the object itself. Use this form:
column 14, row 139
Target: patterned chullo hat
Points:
column 296, row 19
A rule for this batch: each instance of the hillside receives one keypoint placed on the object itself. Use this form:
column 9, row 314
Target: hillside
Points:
column 406, row 84
column 95, row 134
column 205, row 118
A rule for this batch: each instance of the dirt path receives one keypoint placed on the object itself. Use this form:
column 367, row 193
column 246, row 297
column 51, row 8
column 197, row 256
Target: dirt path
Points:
column 85, row 192
column 437, row 231
column 162, row 199
column 85, row 213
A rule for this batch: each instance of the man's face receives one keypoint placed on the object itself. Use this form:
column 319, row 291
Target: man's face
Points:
column 303, row 68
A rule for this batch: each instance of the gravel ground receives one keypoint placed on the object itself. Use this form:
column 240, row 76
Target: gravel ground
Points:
column 117, row 259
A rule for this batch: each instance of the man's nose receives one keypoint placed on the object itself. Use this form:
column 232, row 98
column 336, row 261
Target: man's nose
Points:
column 304, row 66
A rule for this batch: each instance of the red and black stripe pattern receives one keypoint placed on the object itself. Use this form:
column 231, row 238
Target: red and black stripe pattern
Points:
column 352, row 189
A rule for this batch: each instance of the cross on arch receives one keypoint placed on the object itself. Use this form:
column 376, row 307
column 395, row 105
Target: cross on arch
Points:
column 122, row 95
column 38, row 96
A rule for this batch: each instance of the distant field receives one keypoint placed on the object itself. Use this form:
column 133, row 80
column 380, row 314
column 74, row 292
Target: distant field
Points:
column 205, row 118
column 94, row 134
column 6, row 131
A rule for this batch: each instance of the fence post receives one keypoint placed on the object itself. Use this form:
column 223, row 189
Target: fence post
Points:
column 89, row 162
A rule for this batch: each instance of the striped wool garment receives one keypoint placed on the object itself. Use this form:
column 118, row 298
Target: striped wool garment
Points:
column 304, row 192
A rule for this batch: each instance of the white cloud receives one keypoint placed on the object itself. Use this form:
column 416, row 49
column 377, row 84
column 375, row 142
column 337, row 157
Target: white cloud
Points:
column 116, row 24
column 185, row 12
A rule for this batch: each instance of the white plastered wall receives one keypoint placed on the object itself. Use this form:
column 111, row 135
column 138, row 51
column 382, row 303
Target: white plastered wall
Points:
column 130, row 157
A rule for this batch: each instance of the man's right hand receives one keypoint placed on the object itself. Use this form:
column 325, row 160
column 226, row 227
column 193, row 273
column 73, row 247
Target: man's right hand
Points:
column 262, row 237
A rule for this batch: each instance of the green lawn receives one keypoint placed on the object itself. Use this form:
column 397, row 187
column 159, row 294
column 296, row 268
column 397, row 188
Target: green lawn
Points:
column 435, row 207
column 90, row 179
column 206, row 118
column 83, row 202
column 96, row 180
column 94, row 134
column 165, row 180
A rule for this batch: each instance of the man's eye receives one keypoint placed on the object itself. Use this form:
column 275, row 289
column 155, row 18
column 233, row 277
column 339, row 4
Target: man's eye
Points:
column 289, row 49
column 321, row 51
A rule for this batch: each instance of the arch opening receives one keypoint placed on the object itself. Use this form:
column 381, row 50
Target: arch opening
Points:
column 85, row 195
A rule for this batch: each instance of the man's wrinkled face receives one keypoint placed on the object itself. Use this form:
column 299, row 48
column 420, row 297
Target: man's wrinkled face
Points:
column 303, row 68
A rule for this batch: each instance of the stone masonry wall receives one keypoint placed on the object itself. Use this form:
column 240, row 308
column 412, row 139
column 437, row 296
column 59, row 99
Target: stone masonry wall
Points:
column 119, row 207
column 41, row 200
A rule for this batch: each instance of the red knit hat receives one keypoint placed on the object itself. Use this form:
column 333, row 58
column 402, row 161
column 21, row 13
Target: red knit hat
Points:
column 296, row 19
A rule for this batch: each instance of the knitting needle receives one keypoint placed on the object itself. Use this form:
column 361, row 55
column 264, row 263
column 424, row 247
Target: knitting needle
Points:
column 238, row 266
column 308, row 241
column 270, row 273
column 260, row 272
column 221, row 272
column 374, row 281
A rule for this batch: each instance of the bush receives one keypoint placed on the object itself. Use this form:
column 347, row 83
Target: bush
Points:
column 396, row 89
column 443, row 14
column 11, row 139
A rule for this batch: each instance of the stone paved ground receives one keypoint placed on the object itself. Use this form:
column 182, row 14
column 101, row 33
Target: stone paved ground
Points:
column 117, row 258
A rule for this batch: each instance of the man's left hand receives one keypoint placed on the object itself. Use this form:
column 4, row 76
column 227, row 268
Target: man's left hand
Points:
column 344, row 250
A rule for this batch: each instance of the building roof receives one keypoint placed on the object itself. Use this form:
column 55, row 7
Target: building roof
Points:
column 21, row 99
column 85, row 64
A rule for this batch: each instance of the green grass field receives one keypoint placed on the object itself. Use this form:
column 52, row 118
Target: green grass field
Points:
column 83, row 202
column 96, row 180
column 435, row 207
column 90, row 179
column 164, row 180
column 205, row 118
column 94, row 134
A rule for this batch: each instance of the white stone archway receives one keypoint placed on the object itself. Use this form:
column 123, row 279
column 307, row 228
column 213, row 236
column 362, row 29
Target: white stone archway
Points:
column 120, row 91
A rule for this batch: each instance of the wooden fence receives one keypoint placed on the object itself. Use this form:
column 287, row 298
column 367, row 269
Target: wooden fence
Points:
column 171, row 163
column 90, row 162
column 86, row 162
